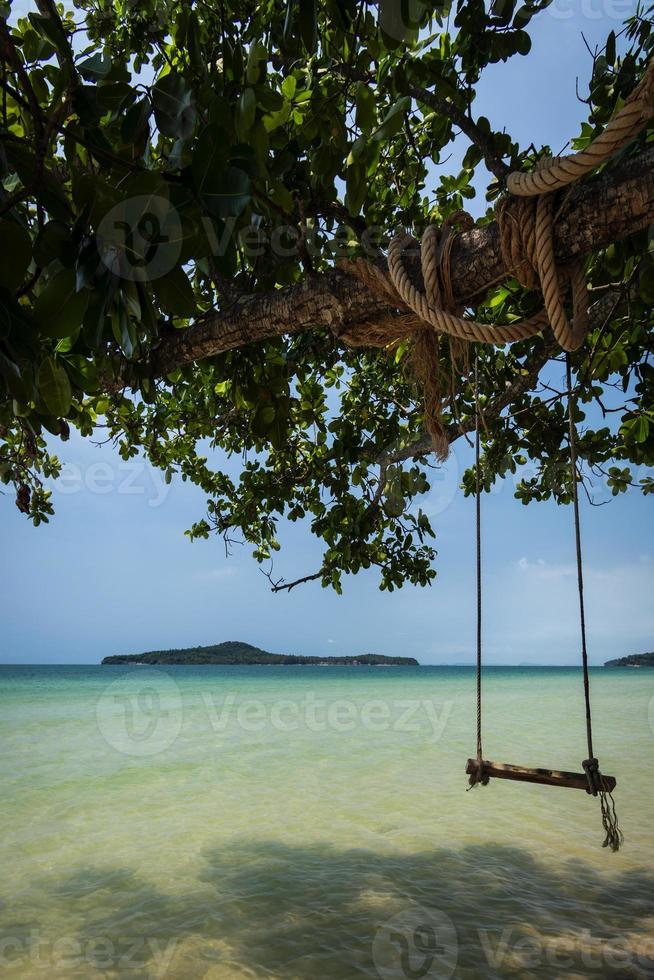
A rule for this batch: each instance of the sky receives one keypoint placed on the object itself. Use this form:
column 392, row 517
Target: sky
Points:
column 114, row 573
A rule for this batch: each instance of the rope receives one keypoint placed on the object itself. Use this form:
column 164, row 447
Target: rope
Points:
column 480, row 754
column 478, row 776
column 558, row 172
column 580, row 570
column 597, row 785
column 526, row 222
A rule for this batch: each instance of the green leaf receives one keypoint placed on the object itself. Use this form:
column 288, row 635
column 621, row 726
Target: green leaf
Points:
column 122, row 328
column 227, row 193
column 646, row 283
column 393, row 119
column 209, row 158
column 289, row 86
column 523, row 43
column 639, row 430
column 287, row 33
column 246, row 111
column 15, row 253
column 49, row 30
column 523, row 16
column 365, row 107
column 54, row 386
column 174, row 108
column 174, row 293
column 357, row 188
column 135, row 128
column 255, row 66
column 113, row 96
column 309, row 24
column 51, row 194
column 94, row 319
column 262, row 420
column 95, row 67
column 59, row 308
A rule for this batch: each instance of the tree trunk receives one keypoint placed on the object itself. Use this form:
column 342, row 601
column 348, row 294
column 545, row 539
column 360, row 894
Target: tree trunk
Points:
column 593, row 215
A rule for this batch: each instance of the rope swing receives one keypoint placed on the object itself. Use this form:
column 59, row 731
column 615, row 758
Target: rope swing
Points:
column 592, row 779
column 526, row 217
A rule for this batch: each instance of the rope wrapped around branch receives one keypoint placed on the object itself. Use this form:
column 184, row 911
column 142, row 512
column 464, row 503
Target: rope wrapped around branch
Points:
column 526, row 233
column 526, row 219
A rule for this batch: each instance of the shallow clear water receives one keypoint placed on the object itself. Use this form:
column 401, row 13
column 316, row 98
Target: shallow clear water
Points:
column 309, row 823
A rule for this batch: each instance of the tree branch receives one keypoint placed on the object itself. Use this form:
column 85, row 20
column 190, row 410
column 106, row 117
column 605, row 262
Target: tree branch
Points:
column 608, row 208
column 467, row 125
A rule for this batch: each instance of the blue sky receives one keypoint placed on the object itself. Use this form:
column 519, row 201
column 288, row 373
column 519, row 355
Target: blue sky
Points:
column 114, row 573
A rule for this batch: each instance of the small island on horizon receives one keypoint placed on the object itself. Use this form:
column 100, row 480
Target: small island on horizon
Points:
column 234, row 653
column 633, row 660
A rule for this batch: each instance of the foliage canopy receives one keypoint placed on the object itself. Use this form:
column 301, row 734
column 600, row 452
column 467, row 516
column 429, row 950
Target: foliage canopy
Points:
column 161, row 160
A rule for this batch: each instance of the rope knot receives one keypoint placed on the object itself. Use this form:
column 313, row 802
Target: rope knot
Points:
column 526, row 220
column 591, row 768
column 477, row 773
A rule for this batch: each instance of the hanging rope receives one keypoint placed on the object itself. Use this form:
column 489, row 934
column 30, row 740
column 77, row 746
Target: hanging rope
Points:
column 596, row 783
column 479, row 776
column 480, row 754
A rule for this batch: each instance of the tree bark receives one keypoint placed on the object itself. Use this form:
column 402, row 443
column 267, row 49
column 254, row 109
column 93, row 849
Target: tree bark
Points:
column 606, row 209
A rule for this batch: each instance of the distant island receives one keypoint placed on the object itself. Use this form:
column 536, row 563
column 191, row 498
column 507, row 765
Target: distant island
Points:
column 633, row 660
column 232, row 653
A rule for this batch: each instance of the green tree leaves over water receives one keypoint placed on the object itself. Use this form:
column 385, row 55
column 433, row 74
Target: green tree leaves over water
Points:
column 163, row 160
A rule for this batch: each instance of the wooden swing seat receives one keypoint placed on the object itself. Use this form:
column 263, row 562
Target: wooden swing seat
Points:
column 547, row 777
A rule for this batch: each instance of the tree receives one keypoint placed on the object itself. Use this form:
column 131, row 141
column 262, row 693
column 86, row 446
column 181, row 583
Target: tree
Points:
column 178, row 181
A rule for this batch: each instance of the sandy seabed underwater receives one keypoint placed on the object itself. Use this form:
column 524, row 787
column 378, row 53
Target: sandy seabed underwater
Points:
column 304, row 823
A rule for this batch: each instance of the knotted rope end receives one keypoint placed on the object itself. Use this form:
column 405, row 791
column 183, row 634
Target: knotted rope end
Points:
column 598, row 786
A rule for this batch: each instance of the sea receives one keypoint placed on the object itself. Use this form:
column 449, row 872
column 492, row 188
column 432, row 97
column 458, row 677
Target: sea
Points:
column 315, row 823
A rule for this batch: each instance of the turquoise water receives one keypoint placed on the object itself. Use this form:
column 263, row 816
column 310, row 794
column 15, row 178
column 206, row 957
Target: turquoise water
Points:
column 309, row 823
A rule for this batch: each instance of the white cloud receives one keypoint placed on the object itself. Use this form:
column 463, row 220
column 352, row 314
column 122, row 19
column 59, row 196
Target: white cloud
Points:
column 545, row 570
column 535, row 605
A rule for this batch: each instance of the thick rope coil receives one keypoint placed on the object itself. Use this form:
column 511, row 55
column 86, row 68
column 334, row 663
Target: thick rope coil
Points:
column 437, row 317
column 526, row 221
column 558, row 172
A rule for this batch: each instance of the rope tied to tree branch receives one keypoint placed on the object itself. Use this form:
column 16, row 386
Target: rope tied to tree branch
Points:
column 526, row 219
column 526, row 232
